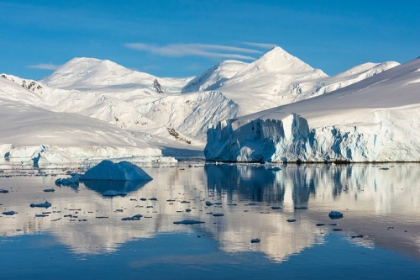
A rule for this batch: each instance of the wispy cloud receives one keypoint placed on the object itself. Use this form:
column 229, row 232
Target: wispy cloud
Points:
column 44, row 66
column 205, row 50
column 260, row 45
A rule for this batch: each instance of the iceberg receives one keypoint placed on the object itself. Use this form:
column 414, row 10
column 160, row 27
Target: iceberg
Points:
column 121, row 171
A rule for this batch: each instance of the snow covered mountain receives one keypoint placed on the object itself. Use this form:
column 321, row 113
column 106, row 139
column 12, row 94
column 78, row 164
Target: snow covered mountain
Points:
column 90, row 74
column 275, row 79
column 366, row 121
column 171, row 114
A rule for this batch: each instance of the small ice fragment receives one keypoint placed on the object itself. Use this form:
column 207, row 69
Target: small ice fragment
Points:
column 337, row 229
column 170, row 200
column 218, row 214
column 291, row 220
column 188, row 222
column 188, row 210
column 320, row 225
column 133, row 218
column 275, row 207
column 46, row 204
column 101, row 217
column 10, row 213
column 357, row 236
column 153, row 198
column 3, row 191
column 255, row 240
column 41, row 215
column 208, row 203
column 143, row 199
column 49, row 190
column 184, row 201
column 301, row 207
column 335, row 215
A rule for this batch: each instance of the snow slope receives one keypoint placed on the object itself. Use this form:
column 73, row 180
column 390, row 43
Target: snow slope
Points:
column 87, row 74
column 277, row 78
column 366, row 121
column 31, row 128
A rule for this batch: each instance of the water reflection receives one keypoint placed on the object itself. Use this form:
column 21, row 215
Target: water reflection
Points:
column 372, row 199
column 101, row 186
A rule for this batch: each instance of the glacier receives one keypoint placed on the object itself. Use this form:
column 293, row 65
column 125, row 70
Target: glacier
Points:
column 374, row 120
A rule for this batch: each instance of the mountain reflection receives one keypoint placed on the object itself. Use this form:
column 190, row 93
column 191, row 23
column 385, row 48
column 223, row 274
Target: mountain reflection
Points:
column 371, row 197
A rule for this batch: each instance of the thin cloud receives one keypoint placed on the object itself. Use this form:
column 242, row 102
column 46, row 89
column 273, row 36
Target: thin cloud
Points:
column 260, row 45
column 205, row 50
column 44, row 66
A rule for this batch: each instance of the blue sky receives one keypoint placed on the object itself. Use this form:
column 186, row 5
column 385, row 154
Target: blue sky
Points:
column 183, row 38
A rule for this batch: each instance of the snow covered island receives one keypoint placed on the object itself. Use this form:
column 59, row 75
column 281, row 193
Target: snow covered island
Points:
column 374, row 120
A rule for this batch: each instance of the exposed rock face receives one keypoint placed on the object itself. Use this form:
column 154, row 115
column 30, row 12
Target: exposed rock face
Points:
column 157, row 86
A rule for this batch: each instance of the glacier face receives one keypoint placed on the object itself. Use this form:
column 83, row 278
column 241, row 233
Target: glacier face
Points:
column 290, row 139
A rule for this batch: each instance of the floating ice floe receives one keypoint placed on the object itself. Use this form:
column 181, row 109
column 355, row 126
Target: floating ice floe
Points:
column 255, row 240
column 133, row 218
column 121, row 171
column 335, row 215
column 218, row 215
column 10, row 213
column 291, row 220
column 73, row 180
column 188, row 222
column 46, row 204
column 41, row 215
column 49, row 190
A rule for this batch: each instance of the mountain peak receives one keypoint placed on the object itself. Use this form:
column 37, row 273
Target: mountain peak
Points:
column 279, row 60
column 80, row 72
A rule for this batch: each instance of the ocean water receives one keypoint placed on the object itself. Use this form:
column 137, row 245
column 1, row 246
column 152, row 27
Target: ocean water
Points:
column 82, row 235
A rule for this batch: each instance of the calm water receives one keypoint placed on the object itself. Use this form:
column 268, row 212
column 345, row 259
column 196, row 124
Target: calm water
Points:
column 380, row 202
